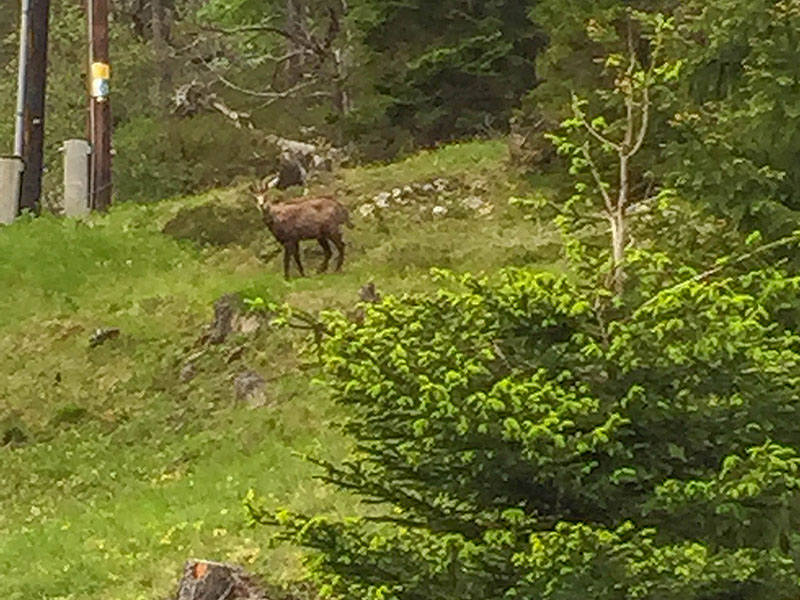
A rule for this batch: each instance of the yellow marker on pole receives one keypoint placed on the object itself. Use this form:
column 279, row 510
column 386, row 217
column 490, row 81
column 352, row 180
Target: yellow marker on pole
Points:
column 101, row 74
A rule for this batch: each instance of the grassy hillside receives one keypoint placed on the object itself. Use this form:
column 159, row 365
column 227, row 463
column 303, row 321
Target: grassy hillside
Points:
column 113, row 470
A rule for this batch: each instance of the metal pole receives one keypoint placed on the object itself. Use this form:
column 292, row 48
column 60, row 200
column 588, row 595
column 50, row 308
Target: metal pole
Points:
column 35, row 89
column 23, row 67
column 90, row 105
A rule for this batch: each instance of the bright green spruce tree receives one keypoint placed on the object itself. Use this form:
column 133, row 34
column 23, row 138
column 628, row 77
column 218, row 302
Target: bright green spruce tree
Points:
column 524, row 441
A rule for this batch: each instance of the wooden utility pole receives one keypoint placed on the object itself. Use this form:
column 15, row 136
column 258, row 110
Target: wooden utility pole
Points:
column 99, row 106
column 35, row 41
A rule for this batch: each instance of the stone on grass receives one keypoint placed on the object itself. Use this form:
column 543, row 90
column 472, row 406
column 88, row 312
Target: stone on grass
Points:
column 229, row 317
column 250, row 387
column 246, row 324
column 382, row 202
column 101, row 336
column 368, row 293
column 472, row 202
column 188, row 372
column 224, row 310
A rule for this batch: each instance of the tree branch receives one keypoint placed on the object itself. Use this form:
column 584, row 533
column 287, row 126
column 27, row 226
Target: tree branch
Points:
column 279, row 60
column 705, row 275
column 596, row 174
column 646, row 96
column 629, row 92
column 257, row 94
column 645, row 119
column 234, row 116
column 262, row 27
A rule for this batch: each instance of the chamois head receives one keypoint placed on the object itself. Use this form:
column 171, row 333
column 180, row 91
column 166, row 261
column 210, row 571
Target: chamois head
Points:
column 260, row 191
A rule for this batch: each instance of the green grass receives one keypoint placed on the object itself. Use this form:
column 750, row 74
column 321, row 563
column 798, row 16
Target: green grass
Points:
column 126, row 471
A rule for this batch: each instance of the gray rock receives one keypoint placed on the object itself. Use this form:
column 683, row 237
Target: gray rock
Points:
column 322, row 163
column 368, row 293
column 101, row 336
column 225, row 309
column 473, row 202
column 250, row 387
column 292, row 172
column 246, row 324
column 440, row 184
column 188, row 372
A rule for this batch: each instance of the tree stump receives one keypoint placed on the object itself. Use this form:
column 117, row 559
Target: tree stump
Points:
column 207, row 580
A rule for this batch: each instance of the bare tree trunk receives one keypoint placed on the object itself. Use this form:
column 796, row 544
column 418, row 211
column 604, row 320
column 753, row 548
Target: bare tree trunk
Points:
column 619, row 232
column 634, row 84
column 341, row 98
column 340, row 63
column 160, row 29
column 619, row 240
column 295, row 15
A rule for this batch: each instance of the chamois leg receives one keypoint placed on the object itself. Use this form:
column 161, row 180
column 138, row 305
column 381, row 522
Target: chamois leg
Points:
column 296, row 252
column 339, row 243
column 326, row 248
column 287, row 257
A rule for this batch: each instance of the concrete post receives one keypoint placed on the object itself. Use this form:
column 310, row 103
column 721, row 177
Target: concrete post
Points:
column 10, row 181
column 76, row 178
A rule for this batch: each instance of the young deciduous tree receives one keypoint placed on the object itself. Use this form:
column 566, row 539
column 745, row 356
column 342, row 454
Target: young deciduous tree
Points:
column 602, row 146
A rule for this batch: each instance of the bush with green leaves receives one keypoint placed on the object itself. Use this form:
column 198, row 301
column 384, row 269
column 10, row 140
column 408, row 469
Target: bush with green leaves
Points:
column 528, row 437
column 736, row 124
column 158, row 158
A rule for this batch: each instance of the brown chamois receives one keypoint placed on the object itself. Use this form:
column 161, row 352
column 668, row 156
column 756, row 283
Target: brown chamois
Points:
column 318, row 219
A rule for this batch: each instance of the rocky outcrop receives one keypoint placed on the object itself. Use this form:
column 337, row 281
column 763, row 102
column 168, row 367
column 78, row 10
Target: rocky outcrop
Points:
column 298, row 160
column 434, row 199
column 229, row 317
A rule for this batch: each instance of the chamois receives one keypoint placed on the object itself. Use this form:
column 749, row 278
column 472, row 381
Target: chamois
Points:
column 318, row 219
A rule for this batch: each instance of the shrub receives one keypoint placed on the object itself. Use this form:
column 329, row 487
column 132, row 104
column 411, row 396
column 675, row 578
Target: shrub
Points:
column 157, row 159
